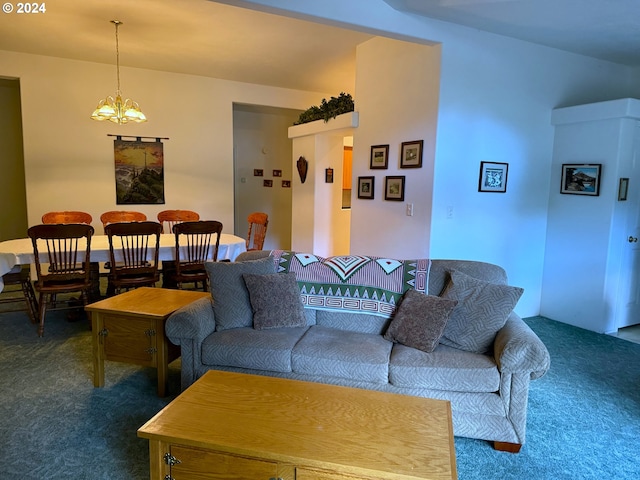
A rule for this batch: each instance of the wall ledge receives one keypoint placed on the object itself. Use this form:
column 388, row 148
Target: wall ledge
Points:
column 611, row 109
column 341, row 122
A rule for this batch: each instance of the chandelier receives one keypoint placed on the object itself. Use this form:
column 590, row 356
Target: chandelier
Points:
column 118, row 110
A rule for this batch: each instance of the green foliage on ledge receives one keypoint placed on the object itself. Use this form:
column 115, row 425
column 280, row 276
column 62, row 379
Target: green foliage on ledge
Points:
column 327, row 109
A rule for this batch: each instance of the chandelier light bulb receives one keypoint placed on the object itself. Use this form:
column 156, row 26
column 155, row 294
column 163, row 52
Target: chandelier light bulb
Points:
column 115, row 109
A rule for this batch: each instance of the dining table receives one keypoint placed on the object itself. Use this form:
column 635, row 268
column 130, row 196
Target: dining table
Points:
column 20, row 251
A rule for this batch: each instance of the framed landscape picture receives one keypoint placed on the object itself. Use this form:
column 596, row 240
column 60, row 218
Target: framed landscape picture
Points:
column 411, row 154
column 379, row 157
column 366, row 187
column 581, row 179
column 493, row 177
column 394, row 188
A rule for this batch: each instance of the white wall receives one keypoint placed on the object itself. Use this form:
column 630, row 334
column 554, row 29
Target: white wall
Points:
column 585, row 277
column 69, row 158
column 397, row 99
column 495, row 103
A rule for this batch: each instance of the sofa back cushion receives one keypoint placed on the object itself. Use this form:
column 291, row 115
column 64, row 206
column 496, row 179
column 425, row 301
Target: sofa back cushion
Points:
column 439, row 276
column 231, row 303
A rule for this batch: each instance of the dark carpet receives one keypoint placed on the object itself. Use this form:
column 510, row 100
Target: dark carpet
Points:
column 584, row 415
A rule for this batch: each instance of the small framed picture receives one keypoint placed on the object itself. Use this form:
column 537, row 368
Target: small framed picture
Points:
column 623, row 189
column 366, row 187
column 394, row 188
column 379, row 157
column 258, row 172
column 581, row 179
column 328, row 175
column 286, row 183
column 493, row 177
column 277, row 173
column 267, row 183
column 411, row 154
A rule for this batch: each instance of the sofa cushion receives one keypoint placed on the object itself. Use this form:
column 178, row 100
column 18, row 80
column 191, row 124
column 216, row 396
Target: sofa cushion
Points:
column 339, row 353
column 275, row 300
column 355, row 322
column 268, row 350
column 481, row 312
column 231, row 303
column 445, row 369
column 420, row 320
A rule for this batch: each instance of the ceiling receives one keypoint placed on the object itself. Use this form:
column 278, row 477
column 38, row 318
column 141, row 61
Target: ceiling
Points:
column 605, row 29
column 196, row 37
column 207, row 38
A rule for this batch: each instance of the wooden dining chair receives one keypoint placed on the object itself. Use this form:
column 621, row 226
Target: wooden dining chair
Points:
column 118, row 216
column 133, row 253
column 172, row 217
column 66, row 249
column 196, row 243
column 20, row 275
column 67, row 216
column 258, row 222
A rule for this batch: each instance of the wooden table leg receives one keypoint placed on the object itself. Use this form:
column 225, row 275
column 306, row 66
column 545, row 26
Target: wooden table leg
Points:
column 162, row 358
column 97, row 325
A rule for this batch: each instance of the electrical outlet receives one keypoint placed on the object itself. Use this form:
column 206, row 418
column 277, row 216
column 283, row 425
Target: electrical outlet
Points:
column 450, row 212
column 409, row 209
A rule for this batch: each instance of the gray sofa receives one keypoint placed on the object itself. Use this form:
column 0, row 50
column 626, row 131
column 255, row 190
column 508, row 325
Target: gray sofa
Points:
column 488, row 391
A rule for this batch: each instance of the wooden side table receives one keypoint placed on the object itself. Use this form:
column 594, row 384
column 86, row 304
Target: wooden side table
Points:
column 129, row 328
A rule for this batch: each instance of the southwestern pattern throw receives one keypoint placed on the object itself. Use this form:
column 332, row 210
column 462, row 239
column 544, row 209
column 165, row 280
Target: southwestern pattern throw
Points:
column 353, row 283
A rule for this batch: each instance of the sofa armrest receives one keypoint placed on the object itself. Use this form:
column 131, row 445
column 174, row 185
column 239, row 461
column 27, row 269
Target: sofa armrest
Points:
column 517, row 349
column 193, row 322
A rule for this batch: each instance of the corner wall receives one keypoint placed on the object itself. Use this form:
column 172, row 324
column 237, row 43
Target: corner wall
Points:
column 397, row 87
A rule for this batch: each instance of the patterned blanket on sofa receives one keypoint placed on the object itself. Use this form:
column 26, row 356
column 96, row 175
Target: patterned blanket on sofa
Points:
column 353, row 283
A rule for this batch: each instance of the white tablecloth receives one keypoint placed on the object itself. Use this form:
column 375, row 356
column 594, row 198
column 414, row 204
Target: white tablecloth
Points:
column 7, row 262
column 20, row 251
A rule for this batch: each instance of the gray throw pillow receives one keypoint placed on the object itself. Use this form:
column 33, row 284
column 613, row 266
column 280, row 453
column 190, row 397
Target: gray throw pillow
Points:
column 483, row 309
column 231, row 303
column 420, row 320
column 275, row 300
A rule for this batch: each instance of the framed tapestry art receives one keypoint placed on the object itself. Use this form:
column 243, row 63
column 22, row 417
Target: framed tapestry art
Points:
column 493, row 177
column 581, row 179
column 139, row 171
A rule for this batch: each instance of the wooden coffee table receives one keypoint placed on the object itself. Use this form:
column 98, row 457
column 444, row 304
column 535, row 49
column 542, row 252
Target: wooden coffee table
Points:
column 129, row 328
column 233, row 425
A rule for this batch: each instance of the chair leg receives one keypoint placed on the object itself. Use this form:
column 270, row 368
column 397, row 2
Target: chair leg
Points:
column 42, row 311
column 30, row 298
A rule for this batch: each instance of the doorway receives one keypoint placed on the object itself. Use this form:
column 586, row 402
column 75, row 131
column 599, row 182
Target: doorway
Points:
column 263, row 170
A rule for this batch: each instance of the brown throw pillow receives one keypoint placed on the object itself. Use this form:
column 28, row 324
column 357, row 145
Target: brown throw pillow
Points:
column 482, row 311
column 420, row 320
column 275, row 300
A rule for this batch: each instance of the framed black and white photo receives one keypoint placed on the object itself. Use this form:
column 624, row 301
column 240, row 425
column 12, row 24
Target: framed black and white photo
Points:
column 411, row 154
column 394, row 188
column 379, row 157
column 493, row 177
column 581, row 179
column 366, row 187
